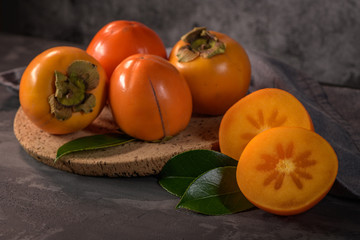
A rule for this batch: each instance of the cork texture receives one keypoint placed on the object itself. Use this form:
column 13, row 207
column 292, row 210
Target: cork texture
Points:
column 136, row 158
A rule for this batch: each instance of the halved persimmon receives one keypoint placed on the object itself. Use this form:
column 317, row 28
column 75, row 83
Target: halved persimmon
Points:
column 286, row 170
column 257, row 112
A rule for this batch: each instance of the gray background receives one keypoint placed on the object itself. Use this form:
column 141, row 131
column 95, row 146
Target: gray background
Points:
column 319, row 37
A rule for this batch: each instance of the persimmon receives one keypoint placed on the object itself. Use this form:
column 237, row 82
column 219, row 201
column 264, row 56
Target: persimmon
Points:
column 149, row 98
column 216, row 67
column 63, row 89
column 120, row 39
column 286, row 170
column 257, row 112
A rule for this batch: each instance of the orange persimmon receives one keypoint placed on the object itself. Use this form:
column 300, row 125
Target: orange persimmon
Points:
column 149, row 98
column 120, row 39
column 286, row 170
column 216, row 67
column 257, row 112
column 63, row 90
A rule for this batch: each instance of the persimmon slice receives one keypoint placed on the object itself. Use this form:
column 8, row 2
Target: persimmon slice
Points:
column 257, row 112
column 286, row 170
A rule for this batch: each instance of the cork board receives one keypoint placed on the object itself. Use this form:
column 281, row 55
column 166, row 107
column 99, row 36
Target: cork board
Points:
column 136, row 158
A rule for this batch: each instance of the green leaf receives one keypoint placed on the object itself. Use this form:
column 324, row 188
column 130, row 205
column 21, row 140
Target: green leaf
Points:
column 181, row 170
column 215, row 193
column 93, row 142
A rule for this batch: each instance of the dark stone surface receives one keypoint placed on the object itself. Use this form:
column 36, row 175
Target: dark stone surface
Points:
column 320, row 38
column 40, row 202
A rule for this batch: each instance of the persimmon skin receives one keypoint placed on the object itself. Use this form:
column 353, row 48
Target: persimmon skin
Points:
column 218, row 82
column 286, row 170
column 38, row 83
column 149, row 98
column 120, row 39
column 257, row 112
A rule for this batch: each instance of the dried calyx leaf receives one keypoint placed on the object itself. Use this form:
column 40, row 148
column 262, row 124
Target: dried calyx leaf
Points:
column 200, row 43
column 70, row 91
column 87, row 71
column 88, row 104
column 70, row 94
column 186, row 54
column 57, row 110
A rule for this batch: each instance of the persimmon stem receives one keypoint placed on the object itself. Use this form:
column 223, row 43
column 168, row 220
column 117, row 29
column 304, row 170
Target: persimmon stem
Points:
column 71, row 90
column 200, row 43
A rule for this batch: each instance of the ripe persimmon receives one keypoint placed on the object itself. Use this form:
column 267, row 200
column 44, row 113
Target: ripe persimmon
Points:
column 120, row 39
column 286, row 170
column 257, row 112
column 63, row 90
column 216, row 67
column 149, row 98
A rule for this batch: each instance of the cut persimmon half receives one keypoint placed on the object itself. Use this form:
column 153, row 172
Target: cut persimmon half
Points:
column 286, row 170
column 257, row 112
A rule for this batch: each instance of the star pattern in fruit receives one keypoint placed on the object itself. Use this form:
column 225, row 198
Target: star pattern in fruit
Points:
column 262, row 123
column 284, row 163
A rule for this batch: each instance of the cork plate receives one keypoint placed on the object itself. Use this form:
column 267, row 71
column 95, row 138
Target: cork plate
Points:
column 136, row 158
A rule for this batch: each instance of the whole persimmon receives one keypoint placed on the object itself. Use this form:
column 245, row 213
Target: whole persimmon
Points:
column 63, row 89
column 120, row 39
column 149, row 98
column 263, row 109
column 216, row 67
column 286, row 170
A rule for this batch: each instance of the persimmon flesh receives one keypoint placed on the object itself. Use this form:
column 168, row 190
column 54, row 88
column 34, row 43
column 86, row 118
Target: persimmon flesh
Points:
column 257, row 112
column 286, row 170
column 149, row 98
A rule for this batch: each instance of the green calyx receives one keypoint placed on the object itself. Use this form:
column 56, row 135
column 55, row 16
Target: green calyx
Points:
column 71, row 90
column 201, row 43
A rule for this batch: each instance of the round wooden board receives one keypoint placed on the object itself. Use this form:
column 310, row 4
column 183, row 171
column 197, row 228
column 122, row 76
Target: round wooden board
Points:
column 136, row 158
